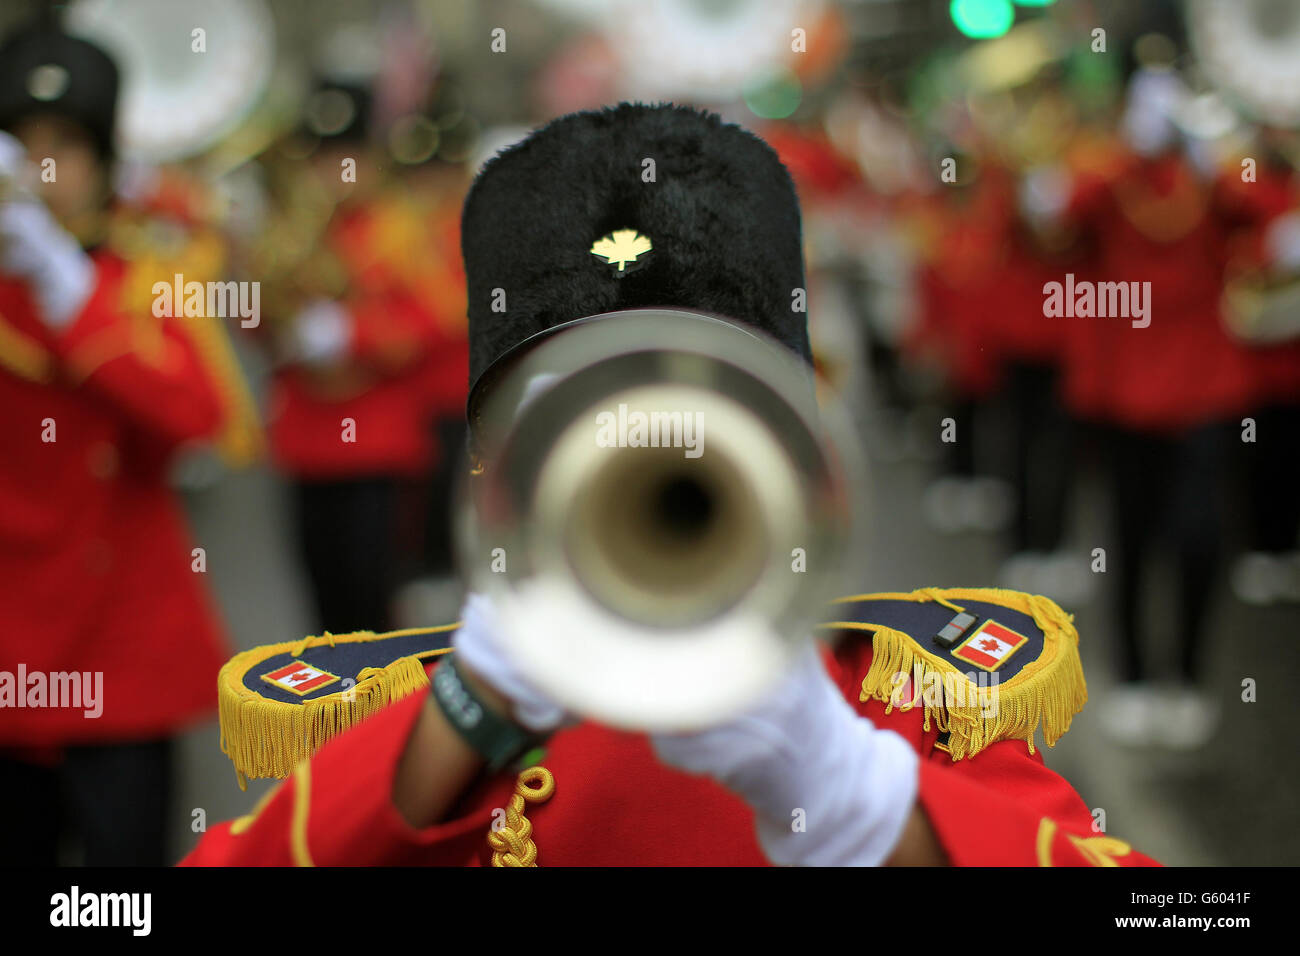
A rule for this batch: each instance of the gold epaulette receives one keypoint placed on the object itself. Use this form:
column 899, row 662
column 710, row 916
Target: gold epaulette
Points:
column 985, row 664
column 280, row 703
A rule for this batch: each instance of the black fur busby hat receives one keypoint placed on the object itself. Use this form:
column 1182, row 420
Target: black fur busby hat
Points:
column 43, row 70
column 631, row 207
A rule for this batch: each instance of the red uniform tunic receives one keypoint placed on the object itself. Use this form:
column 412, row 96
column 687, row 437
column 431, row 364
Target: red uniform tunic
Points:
column 1153, row 221
column 1275, row 368
column 400, row 363
column 962, row 284
column 615, row 804
column 1019, row 331
column 94, row 555
column 438, row 278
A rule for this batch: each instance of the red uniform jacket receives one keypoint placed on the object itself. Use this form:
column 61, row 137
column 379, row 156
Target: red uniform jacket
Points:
column 614, row 804
column 1276, row 367
column 1019, row 331
column 971, row 286
column 94, row 555
column 437, row 275
column 401, row 367
column 1153, row 221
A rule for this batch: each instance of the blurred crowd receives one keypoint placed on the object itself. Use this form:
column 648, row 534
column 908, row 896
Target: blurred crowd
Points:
column 1105, row 292
column 938, row 212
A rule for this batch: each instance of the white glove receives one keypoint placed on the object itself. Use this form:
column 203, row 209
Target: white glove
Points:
column 1043, row 194
column 1282, row 242
column 321, row 332
column 1154, row 100
column 37, row 250
column 480, row 644
column 13, row 161
column 827, row 787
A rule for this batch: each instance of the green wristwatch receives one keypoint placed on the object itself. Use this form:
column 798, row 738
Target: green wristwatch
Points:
column 496, row 738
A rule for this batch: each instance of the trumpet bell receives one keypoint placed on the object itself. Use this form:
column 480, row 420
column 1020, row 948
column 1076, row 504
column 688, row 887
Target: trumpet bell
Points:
column 660, row 514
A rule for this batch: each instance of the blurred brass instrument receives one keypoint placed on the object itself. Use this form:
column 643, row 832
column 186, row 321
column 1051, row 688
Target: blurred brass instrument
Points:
column 1250, row 51
column 1261, row 312
column 174, row 106
column 178, row 101
column 292, row 255
column 663, row 581
column 297, row 264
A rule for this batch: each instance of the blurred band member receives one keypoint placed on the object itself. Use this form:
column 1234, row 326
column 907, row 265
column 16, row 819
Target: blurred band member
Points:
column 432, row 148
column 1150, row 366
column 108, row 643
column 350, row 416
column 961, row 236
column 1265, row 261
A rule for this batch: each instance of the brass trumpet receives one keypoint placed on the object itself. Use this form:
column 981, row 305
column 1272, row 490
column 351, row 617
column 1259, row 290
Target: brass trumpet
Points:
column 659, row 510
column 293, row 253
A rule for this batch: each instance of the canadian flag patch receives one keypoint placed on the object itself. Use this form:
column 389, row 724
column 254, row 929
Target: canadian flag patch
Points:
column 299, row 678
column 990, row 646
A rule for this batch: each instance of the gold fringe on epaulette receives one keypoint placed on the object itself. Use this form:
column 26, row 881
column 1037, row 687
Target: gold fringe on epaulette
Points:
column 1047, row 692
column 268, row 738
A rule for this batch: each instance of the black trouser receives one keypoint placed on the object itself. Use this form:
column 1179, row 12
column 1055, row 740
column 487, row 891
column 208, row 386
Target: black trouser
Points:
column 1271, row 475
column 1044, row 463
column 347, row 532
column 111, row 801
column 1166, row 488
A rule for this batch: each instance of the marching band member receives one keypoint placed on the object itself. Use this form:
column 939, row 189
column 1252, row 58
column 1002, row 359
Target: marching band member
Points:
column 959, row 235
column 98, row 394
column 361, row 371
column 1265, row 260
column 435, row 190
column 1159, row 383
column 838, row 765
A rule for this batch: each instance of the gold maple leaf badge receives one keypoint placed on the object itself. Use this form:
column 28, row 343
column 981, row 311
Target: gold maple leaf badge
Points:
column 621, row 247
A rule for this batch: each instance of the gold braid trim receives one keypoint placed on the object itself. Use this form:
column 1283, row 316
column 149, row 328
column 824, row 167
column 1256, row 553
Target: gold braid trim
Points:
column 239, row 441
column 1047, row 692
column 512, row 844
column 269, row 738
column 24, row 356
